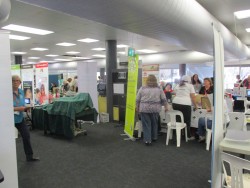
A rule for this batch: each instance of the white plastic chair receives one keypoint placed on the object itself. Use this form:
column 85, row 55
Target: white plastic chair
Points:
column 237, row 179
column 176, row 125
column 237, row 121
column 208, row 131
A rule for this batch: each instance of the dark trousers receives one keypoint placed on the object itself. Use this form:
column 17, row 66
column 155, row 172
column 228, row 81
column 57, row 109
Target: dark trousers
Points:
column 186, row 110
column 24, row 132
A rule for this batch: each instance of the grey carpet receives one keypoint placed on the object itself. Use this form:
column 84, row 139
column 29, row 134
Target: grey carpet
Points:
column 102, row 159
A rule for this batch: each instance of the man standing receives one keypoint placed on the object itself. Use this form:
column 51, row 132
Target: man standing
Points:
column 19, row 108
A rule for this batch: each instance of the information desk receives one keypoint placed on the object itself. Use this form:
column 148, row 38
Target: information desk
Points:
column 61, row 116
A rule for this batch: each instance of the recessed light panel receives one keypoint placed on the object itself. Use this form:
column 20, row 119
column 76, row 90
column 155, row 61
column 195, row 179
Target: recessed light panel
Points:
column 242, row 14
column 65, row 44
column 51, row 55
column 33, row 57
column 39, row 49
column 123, row 53
column 17, row 37
column 98, row 55
column 88, row 40
column 146, row 51
column 62, row 59
column 72, row 52
column 248, row 29
column 98, row 49
column 25, row 29
column 19, row 53
column 122, row 46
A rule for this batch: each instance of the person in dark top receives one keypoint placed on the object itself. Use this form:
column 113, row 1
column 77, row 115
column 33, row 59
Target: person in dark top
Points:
column 208, row 87
column 168, row 92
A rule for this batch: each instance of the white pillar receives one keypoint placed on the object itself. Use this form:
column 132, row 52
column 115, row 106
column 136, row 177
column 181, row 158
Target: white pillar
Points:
column 218, row 107
column 8, row 163
column 87, row 81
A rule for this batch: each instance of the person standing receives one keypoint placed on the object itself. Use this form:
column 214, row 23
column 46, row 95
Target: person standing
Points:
column 185, row 96
column 149, row 100
column 19, row 108
column 208, row 87
column 196, row 83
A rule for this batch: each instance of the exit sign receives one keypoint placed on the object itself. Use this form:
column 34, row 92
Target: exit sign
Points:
column 131, row 52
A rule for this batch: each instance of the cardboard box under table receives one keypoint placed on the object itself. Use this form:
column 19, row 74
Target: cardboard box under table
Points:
column 62, row 115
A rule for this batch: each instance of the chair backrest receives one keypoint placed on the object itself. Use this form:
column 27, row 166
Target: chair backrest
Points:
column 173, row 114
column 236, row 120
column 236, row 165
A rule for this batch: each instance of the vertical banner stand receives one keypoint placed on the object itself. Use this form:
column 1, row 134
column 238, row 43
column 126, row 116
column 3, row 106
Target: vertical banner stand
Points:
column 218, row 108
column 131, row 95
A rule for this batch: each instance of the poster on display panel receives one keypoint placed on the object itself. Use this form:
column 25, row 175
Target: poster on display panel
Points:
column 16, row 70
column 150, row 70
column 42, row 84
column 131, row 95
column 27, row 72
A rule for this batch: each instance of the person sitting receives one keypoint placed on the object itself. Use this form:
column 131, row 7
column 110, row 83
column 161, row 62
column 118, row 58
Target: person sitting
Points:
column 207, row 88
column 168, row 92
column 202, row 124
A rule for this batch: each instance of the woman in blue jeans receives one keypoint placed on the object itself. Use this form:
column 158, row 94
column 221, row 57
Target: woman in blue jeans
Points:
column 149, row 100
column 202, row 128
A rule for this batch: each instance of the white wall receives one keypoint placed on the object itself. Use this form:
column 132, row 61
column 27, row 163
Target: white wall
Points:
column 87, row 81
column 8, row 163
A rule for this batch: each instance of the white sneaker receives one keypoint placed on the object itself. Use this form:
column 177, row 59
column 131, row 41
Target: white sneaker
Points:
column 191, row 138
column 202, row 138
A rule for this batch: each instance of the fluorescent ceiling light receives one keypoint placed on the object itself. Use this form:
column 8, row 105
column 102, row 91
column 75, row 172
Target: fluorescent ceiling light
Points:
column 242, row 14
column 88, row 40
column 30, row 62
column 51, row 55
column 65, row 44
column 19, row 53
column 25, row 29
column 62, row 59
column 146, row 51
column 72, row 52
column 33, row 57
column 98, row 55
column 80, row 57
column 98, row 49
column 248, row 29
column 123, row 53
column 122, row 46
column 39, row 49
column 17, row 37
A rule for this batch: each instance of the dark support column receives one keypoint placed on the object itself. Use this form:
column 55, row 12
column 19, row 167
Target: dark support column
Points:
column 102, row 71
column 182, row 69
column 18, row 59
column 111, row 62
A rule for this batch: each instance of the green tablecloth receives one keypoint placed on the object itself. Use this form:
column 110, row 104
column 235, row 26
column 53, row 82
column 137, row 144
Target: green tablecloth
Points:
column 61, row 116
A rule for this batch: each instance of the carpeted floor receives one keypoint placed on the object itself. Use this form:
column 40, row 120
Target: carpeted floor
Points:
column 102, row 159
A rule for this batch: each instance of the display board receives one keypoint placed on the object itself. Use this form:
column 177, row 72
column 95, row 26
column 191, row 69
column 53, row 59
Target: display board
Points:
column 27, row 72
column 131, row 95
column 150, row 70
column 42, row 83
column 16, row 70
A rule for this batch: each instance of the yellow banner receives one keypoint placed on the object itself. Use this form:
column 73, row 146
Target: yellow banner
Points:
column 131, row 95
